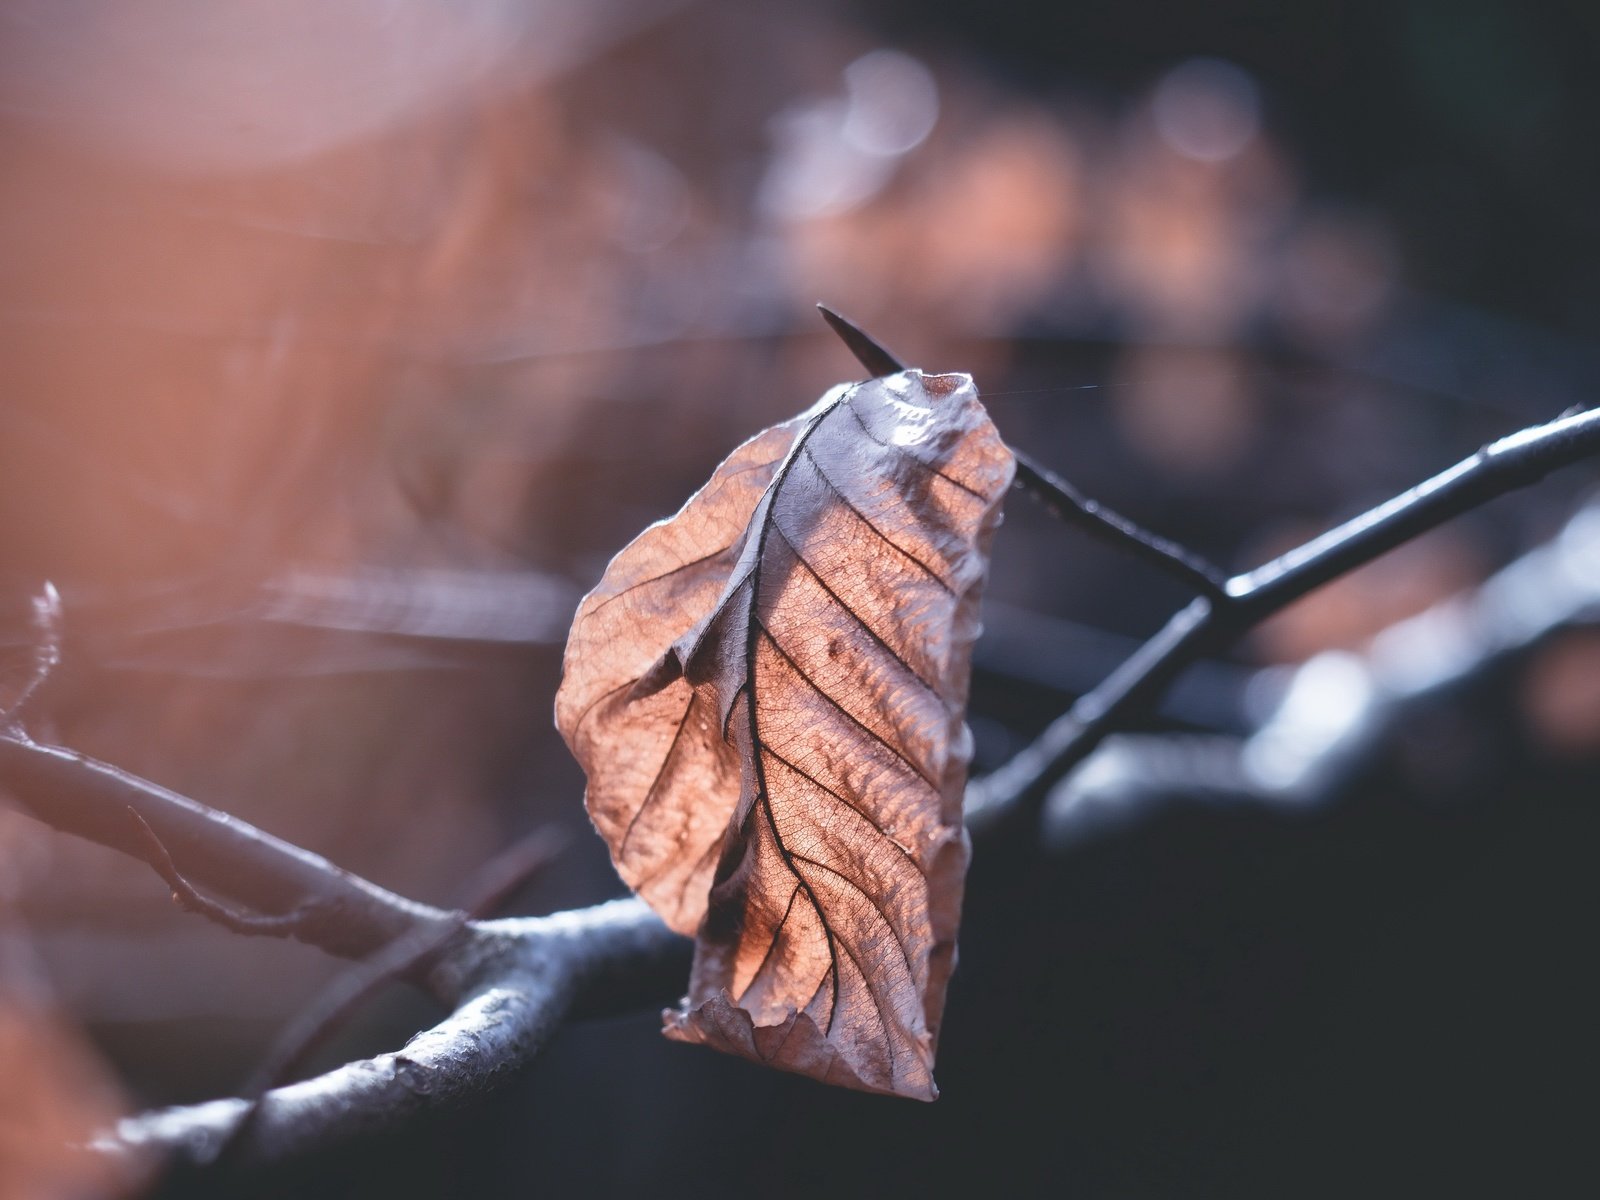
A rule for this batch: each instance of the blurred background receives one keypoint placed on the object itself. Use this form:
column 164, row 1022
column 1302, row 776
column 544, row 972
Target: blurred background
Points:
column 343, row 344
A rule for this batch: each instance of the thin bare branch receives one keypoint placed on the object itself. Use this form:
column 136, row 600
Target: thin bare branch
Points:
column 618, row 955
column 1206, row 625
column 1337, row 710
column 1065, row 502
column 343, row 913
column 1059, row 498
column 1512, row 462
column 877, row 360
column 190, row 900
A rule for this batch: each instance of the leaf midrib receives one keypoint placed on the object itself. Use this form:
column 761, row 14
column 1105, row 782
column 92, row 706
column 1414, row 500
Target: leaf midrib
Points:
column 754, row 629
column 752, row 634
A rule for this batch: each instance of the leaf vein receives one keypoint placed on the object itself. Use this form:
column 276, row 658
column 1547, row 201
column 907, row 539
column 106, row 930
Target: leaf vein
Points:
column 777, row 935
column 870, row 899
column 693, row 562
column 857, row 617
column 845, row 712
column 655, row 783
column 597, row 701
column 860, row 812
column 763, row 793
column 866, row 980
column 865, row 520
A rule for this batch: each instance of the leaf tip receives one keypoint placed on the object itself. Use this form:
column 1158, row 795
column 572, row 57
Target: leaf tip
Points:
column 868, row 352
column 796, row 1044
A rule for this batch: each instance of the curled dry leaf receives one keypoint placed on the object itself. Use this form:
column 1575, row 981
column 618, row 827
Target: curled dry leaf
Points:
column 767, row 692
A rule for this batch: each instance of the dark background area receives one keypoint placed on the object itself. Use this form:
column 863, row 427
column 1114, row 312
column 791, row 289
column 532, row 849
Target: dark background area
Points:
column 341, row 355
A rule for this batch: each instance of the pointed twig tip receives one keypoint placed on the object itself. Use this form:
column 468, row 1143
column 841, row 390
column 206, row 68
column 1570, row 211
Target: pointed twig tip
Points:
column 868, row 353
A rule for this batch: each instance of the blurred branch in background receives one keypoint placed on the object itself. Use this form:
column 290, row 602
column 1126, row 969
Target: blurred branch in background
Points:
column 1338, row 714
column 1511, row 462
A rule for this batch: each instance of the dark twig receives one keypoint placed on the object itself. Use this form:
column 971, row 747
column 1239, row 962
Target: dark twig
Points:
column 1018, row 788
column 1065, row 502
column 1515, row 461
column 868, row 352
column 1060, row 498
column 511, row 982
column 517, row 975
column 343, row 913
column 190, row 900
column 1337, row 712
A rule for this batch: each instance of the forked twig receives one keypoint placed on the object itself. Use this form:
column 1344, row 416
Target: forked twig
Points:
column 1208, row 624
column 341, row 913
column 490, row 889
column 1225, row 609
column 187, row 897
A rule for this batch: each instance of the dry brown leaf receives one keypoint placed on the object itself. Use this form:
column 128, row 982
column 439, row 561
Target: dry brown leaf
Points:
column 767, row 693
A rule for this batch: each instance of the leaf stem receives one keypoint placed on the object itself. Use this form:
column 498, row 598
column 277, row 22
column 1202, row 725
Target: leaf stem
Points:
column 1065, row 502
